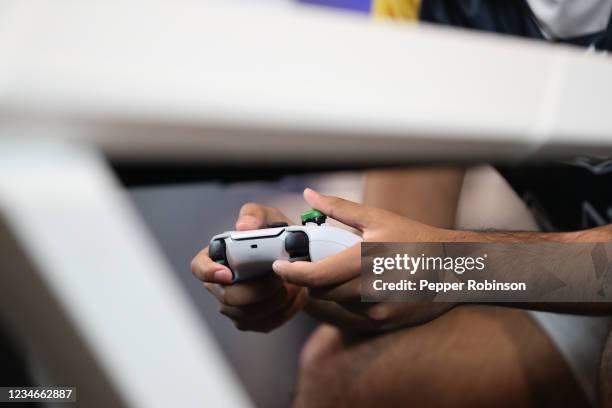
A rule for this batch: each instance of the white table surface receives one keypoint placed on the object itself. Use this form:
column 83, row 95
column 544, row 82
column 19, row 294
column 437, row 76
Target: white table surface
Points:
column 244, row 83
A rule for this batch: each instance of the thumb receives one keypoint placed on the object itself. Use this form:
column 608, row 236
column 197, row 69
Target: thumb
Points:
column 347, row 212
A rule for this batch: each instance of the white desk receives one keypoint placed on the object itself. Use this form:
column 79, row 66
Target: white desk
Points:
column 232, row 82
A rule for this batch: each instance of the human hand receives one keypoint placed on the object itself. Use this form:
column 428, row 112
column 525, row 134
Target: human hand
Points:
column 337, row 278
column 260, row 304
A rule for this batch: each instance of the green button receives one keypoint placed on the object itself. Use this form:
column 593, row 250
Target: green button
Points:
column 313, row 216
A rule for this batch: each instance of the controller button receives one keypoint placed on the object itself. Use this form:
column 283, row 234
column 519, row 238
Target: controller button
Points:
column 216, row 251
column 278, row 224
column 297, row 245
column 315, row 216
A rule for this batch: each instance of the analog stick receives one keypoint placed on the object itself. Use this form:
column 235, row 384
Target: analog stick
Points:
column 296, row 245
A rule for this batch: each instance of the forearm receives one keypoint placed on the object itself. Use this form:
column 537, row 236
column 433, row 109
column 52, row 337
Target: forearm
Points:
column 425, row 194
column 559, row 261
column 600, row 234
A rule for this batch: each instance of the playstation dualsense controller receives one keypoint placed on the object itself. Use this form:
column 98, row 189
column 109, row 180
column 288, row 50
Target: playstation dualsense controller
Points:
column 249, row 254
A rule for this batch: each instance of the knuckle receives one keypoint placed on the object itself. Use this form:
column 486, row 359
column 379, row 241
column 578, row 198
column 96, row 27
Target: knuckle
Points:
column 215, row 290
column 334, row 202
column 312, row 279
column 196, row 270
column 315, row 275
column 231, row 312
column 379, row 313
column 223, row 297
column 223, row 310
column 230, row 298
column 301, row 274
column 250, row 207
column 338, row 201
column 239, row 294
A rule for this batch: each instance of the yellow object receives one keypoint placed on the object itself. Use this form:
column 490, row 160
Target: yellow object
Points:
column 396, row 9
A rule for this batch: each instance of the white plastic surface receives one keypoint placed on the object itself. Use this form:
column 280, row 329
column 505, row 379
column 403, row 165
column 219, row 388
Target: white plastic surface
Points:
column 228, row 81
column 252, row 253
column 91, row 255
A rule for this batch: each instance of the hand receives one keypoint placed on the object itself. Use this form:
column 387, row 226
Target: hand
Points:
column 337, row 278
column 260, row 304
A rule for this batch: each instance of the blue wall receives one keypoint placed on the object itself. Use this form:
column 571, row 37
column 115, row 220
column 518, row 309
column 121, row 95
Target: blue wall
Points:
column 356, row 5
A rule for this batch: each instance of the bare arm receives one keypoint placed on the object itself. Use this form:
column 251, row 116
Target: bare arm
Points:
column 560, row 261
column 425, row 194
column 337, row 278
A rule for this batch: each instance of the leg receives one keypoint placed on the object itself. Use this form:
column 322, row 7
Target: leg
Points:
column 472, row 356
column 605, row 375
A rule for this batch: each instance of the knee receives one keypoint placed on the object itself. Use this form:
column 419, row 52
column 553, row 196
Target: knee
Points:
column 323, row 344
column 319, row 384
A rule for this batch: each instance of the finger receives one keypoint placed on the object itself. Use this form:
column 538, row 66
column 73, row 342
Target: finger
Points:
column 369, row 310
column 336, row 315
column 275, row 319
column 248, row 292
column 252, row 216
column 216, row 290
column 347, row 212
column 261, row 310
column 335, row 269
column 255, row 216
column 205, row 269
column 349, row 291
column 364, row 309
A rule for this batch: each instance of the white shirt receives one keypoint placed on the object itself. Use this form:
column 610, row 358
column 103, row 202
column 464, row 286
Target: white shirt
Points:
column 571, row 18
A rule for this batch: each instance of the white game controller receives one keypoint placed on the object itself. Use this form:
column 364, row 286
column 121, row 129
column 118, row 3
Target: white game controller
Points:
column 250, row 254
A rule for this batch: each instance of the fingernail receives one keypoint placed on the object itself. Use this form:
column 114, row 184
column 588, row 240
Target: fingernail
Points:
column 311, row 191
column 246, row 222
column 223, row 276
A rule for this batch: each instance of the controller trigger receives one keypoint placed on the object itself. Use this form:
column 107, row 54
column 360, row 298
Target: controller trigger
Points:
column 278, row 224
